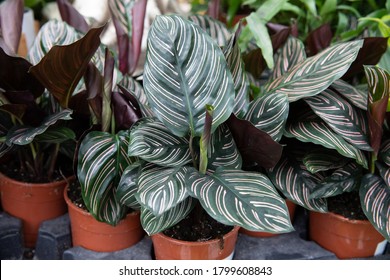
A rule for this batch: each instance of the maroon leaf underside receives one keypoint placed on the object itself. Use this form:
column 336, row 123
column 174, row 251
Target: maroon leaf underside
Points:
column 71, row 16
column 376, row 116
column 254, row 60
column 371, row 52
column 63, row 66
column 11, row 19
column 125, row 113
column 254, row 144
column 319, row 39
column 14, row 77
column 214, row 8
column 94, row 85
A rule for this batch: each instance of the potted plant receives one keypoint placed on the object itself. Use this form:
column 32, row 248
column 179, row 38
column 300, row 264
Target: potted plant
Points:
column 38, row 139
column 329, row 134
column 189, row 167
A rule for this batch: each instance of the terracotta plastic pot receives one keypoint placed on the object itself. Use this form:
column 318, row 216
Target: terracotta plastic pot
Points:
column 166, row 248
column 32, row 203
column 291, row 210
column 101, row 237
column 345, row 238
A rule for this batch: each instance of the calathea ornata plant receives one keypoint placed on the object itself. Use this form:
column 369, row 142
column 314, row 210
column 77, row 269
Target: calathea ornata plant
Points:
column 335, row 133
column 187, row 158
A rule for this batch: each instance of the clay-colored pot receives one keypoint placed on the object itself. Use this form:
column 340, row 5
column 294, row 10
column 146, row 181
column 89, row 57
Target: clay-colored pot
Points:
column 97, row 236
column 32, row 203
column 291, row 210
column 166, row 248
column 345, row 238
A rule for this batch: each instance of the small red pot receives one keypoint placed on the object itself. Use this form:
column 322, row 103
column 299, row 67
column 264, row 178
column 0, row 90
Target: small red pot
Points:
column 32, row 203
column 97, row 236
column 345, row 238
column 167, row 248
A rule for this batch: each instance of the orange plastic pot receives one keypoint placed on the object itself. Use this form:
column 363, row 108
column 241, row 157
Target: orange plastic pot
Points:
column 345, row 238
column 166, row 248
column 32, row 203
column 291, row 210
column 97, row 236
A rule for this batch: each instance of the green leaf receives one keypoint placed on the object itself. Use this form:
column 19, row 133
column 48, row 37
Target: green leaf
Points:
column 153, row 142
column 323, row 159
column 235, row 197
column 56, row 135
column 344, row 179
column 63, row 66
column 152, row 224
column 161, row 189
column 341, row 116
column 232, row 53
column 128, row 186
column 317, row 72
column 291, row 54
column 354, row 95
column 23, row 135
column 102, row 159
column 257, row 26
column 384, row 172
column 296, row 183
column 375, row 200
column 384, row 153
column 379, row 90
column 185, row 70
column 216, row 29
column 223, row 150
column 310, row 128
column 269, row 113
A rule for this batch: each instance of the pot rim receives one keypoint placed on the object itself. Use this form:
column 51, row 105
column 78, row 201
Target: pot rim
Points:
column 82, row 211
column 342, row 218
column 42, row 185
column 195, row 243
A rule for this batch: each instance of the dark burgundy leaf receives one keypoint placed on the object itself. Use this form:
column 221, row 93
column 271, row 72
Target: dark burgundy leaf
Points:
column 254, row 144
column 319, row 39
column 11, row 19
column 376, row 116
column 14, row 76
column 71, row 16
column 94, row 84
column 125, row 113
column 130, row 98
column 214, row 8
column 63, row 66
column 371, row 52
column 254, row 60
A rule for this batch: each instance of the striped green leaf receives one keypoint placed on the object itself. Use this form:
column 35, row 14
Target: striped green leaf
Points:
column 269, row 113
column 56, row 135
column 384, row 172
column 102, row 159
column 128, row 186
column 310, row 128
column 235, row 197
column 384, row 153
column 317, row 72
column 291, row 54
column 23, row 135
column 375, row 200
column 296, row 183
column 152, row 224
column 160, row 189
column 185, row 70
column 323, row 160
column 153, row 142
column 232, row 53
column 223, row 150
column 344, row 179
column 341, row 116
column 216, row 29
column 356, row 96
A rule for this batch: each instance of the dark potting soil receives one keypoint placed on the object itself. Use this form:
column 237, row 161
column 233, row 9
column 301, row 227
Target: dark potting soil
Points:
column 203, row 229
column 11, row 169
column 74, row 194
column 347, row 205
